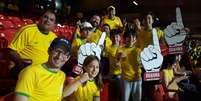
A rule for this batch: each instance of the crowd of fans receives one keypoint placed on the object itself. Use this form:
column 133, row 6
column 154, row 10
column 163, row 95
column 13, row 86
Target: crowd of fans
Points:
column 49, row 60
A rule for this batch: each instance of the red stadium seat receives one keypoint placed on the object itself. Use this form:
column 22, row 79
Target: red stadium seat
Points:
column 8, row 97
column 9, row 34
column 16, row 21
column 6, row 24
column 27, row 21
column 2, row 17
column 104, row 94
column 3, row 41
column 14, row 18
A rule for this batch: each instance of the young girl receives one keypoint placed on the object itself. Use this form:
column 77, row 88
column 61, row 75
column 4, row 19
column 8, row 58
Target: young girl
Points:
column 87, row 86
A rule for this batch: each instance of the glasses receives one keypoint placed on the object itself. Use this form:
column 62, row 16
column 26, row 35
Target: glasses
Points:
column 60, row 51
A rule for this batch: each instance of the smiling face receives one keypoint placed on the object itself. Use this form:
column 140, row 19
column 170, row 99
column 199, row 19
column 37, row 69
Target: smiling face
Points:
column 130, row 40
column 116, row 39
column 148, row 20
column 58, row 56
column 111, row 13
column 95, row 21
column 47, row 21
column 91, row 66
column 106, row 28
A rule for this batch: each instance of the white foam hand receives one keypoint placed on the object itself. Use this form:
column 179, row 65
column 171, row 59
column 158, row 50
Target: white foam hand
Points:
column 151, row 57
column 91, row 49
column 175, row 32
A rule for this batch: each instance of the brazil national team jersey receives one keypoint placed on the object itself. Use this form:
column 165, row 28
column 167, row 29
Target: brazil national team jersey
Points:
column 40, row 84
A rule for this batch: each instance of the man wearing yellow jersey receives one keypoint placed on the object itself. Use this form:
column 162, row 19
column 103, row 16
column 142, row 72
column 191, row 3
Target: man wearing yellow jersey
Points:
column 145, row 36
column 113, row 21
column 32, row 41
column 44, row 82
column 96, row 32
column 85, row 29
column 129, row 58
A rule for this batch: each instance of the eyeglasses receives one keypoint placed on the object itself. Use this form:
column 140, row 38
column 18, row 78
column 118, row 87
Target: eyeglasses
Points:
column 60, row 51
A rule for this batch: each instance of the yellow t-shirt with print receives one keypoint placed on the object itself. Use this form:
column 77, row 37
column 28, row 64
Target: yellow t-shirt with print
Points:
column 145, row 38
column 40, row 84
column 30, row 43
column 130, row 66
column 111, row 54
column 113, row 23
column 85, row 92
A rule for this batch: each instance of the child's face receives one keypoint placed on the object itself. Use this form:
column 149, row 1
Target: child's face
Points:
column 106, row 29
column 130, row 40
column 115, row 39
column 148, row 20
column 85, row 32
column 92, row 69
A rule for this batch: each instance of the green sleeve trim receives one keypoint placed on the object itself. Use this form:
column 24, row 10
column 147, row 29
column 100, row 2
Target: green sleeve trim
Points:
column 23, row 94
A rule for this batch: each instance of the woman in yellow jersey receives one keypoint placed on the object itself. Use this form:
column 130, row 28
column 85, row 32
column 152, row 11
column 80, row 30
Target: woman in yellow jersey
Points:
column 169, row 79
column 87, row 86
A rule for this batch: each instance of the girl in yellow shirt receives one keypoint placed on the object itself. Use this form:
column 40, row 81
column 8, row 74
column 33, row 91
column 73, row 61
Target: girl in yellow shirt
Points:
column 86, row 87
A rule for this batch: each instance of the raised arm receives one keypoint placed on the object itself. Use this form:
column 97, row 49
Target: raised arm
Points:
column 71, row 87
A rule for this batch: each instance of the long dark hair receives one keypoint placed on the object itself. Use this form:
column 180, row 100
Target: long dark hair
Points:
column 98, row 78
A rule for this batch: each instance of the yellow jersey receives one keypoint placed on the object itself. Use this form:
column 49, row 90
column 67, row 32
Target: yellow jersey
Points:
column 85, row 92
column 113, row 23
column 130, row 66
column 111, row 54
column 145, row 38
column 30, row 43
column 40, row 84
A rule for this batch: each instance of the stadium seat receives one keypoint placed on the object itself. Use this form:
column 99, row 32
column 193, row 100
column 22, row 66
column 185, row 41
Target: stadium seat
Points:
column 8, row 97
column 2, row 17
column 6, row 24
column 3, row 41
column 27, row 21
column 16, row 20
column 9, row 34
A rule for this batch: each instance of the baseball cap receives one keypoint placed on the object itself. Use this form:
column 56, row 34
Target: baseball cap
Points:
column 61, row 42
column 86, row 25
column 111, row 7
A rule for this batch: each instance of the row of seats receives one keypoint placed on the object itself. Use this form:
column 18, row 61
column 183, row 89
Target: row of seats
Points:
column 65, row 31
